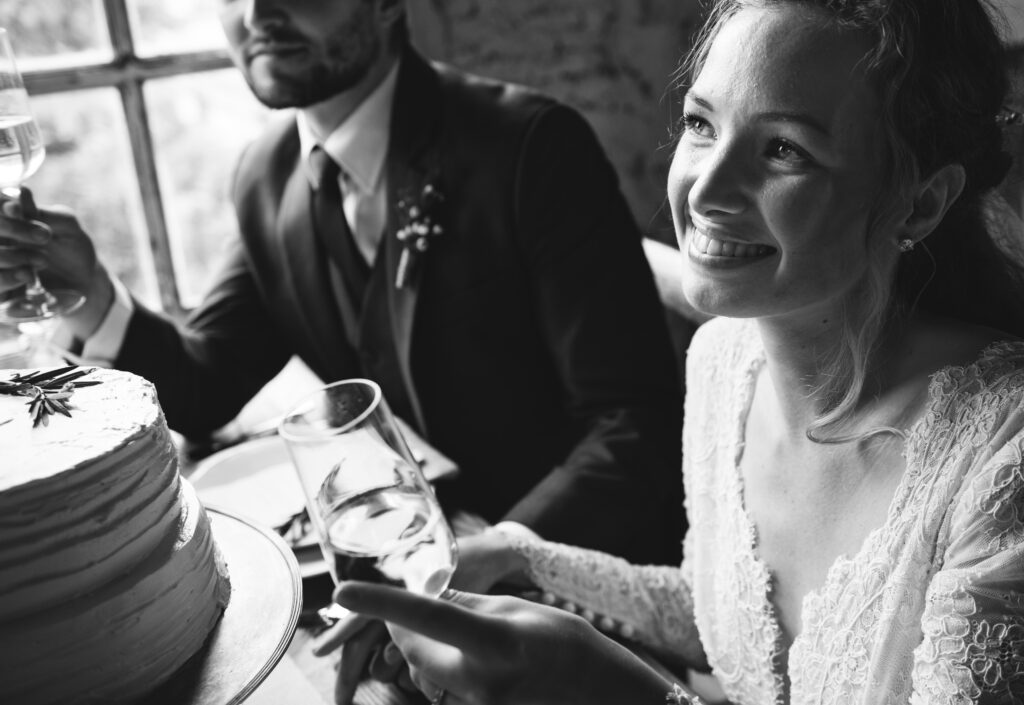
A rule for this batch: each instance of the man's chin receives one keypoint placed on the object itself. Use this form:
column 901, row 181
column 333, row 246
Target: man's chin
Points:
column 276, row 90
column 280, row 92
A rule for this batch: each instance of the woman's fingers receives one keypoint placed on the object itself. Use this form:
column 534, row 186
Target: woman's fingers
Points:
column 338, row 634
column 355, row 656
column 451, row 620
column 387, row 664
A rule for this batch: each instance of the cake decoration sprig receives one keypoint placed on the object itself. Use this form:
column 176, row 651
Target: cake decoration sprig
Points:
column 48, row 391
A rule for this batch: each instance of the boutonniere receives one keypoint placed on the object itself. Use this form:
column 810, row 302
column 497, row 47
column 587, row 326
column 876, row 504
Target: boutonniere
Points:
column 419, row 218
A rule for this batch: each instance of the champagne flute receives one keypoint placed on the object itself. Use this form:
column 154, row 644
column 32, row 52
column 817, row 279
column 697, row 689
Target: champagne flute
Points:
column 21, row 154
column 375, row 515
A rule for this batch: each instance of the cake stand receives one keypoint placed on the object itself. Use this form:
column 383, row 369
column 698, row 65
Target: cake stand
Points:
column 257, row 626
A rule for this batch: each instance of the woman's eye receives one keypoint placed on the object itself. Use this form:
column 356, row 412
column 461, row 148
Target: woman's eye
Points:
column 784, row 151
column 697, row 125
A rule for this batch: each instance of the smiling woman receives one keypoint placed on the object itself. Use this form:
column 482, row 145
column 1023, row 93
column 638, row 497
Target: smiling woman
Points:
column 856, row 529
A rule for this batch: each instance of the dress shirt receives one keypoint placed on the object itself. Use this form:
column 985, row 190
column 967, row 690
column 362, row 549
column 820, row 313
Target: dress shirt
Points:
column 359, row 145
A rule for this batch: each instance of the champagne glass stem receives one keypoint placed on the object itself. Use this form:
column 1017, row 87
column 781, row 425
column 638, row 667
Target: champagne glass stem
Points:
column 35, row 292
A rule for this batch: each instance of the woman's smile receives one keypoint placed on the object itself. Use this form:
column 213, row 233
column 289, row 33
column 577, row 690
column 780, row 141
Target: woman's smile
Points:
column 702, row 244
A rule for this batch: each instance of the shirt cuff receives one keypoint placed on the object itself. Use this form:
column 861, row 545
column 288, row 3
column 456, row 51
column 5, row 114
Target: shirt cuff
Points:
column 104, row 345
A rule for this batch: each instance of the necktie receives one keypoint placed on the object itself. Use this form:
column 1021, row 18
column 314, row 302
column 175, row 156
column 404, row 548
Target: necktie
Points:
column 333, row 229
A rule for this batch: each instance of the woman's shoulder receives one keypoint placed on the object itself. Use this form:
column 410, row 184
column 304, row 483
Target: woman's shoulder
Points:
column 721, row 365
column 954, row 348
column 966, row 362
column 725, row 340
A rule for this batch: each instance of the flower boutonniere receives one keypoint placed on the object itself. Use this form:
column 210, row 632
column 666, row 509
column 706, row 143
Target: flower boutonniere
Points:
column 420, row 224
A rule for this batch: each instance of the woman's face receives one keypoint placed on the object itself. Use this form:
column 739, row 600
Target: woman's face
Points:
column 778, row 167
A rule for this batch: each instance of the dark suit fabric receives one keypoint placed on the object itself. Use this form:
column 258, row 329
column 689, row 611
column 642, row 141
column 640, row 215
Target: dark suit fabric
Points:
column 529, row 336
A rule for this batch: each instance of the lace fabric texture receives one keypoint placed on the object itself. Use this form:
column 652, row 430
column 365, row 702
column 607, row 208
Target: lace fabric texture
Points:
column 930, row 609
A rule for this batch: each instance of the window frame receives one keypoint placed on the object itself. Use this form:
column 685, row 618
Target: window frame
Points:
column 128, row 72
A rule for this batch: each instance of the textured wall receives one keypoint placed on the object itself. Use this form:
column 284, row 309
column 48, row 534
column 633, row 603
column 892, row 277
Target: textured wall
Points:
column 611, row 59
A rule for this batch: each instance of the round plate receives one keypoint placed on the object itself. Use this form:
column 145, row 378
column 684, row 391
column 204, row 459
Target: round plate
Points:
column 256, row 479
column 257, row 625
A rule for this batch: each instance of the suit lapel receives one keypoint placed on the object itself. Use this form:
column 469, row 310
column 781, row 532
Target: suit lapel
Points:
column 413, row 160
column 310, row 279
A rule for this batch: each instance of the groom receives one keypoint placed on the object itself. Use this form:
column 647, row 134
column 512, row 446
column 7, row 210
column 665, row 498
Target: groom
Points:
column 461, row 241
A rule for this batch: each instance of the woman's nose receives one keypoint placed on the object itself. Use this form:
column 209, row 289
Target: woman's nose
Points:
column 717, row 178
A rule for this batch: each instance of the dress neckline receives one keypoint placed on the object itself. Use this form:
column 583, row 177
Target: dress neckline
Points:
column 937, row 397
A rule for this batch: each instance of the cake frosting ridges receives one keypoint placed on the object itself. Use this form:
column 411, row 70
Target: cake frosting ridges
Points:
column 54, row 549
column 110, row 578
column 137, row 631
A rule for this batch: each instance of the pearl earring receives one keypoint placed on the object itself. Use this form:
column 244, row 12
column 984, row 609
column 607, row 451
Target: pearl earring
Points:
column 905, row 245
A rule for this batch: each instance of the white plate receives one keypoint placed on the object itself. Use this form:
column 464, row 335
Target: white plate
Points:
column 255, row 479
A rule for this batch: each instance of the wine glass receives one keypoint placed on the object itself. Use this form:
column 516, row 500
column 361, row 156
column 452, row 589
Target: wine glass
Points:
column 375, row 515
column 21, row 154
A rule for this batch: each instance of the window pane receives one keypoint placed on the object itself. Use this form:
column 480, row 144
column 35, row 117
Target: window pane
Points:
column 44, row 30
column 162, row 27
column 89, row 168
column 200, row 124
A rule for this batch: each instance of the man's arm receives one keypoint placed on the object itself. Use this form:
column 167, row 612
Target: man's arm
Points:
column 206, row 370
column 619, row 489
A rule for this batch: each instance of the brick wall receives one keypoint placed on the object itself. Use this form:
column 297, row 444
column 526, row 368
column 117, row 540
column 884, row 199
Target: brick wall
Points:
column 611, row 59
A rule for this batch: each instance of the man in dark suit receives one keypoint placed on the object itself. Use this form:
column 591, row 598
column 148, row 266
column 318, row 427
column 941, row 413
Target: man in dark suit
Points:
column 523, row 337
column 471, row 252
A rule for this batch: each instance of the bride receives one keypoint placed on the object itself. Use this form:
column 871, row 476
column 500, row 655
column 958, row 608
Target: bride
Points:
column 855, row 420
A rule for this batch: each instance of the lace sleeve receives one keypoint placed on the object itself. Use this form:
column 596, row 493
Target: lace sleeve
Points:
column 973, row 623
column 653, row 602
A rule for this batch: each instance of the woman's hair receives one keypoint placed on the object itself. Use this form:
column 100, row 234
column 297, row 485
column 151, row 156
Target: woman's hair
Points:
column 938, row 68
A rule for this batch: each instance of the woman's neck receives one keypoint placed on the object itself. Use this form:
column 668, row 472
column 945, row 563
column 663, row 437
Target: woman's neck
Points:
column 793, row 361
column 895, row 377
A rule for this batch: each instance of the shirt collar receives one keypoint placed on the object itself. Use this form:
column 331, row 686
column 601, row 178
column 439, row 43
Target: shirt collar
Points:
column 359, row 144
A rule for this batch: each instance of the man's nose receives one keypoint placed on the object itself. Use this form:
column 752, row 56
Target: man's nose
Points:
column 262, row 12
column 719, row 180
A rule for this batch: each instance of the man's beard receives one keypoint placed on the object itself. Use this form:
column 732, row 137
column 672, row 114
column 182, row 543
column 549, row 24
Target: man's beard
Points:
column 317, row 85
column 345, row 62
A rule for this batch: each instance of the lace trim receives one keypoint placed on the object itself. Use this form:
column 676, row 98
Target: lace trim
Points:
column 654, row 602
column 830, row 659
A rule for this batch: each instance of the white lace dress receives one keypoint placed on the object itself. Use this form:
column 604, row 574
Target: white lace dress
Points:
column 930, row 610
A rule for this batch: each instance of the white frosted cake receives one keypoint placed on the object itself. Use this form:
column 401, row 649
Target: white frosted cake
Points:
column 109, row 576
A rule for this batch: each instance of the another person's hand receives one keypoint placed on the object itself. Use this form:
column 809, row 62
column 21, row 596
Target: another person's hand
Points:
column 52, row 241
column 498, row 650
column 485, row 559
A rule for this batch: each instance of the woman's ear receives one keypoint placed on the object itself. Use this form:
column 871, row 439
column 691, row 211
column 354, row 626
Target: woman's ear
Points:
column 935, row 194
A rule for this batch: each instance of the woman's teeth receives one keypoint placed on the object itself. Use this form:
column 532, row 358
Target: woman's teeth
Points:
column 723, row 248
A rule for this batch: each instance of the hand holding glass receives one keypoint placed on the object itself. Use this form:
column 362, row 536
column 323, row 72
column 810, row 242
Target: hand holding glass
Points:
column 375, row 515
column 21, row 154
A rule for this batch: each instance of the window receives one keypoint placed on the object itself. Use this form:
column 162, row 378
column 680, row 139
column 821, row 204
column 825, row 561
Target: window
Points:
column 143, row 119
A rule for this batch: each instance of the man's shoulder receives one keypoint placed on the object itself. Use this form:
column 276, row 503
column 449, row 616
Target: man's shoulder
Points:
column 490, row 92
column 488, row 107
column 279, row 140
column 269, row 159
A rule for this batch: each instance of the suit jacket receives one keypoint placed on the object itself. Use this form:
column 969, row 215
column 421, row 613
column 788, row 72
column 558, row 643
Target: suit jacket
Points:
column 529, row 336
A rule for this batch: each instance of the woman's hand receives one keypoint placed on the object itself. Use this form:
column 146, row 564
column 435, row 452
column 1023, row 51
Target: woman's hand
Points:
column 496, row 650
column 485, row 559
